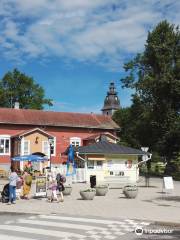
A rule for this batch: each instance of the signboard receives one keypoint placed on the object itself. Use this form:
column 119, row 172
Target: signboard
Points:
column 41, row 187
column 168, row 183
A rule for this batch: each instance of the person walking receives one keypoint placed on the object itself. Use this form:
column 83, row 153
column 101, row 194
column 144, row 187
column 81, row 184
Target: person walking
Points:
column 60, row 185
column 53, row 188
column 13, row 179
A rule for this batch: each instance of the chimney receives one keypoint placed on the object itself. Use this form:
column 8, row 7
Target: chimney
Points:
column 16, row 105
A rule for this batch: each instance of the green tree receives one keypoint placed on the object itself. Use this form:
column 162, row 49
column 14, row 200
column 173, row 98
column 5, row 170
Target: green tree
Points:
column 16, row 86
column 155, row 76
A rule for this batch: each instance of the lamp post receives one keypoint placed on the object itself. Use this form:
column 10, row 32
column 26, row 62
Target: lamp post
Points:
column 145, row 159
column 50, row 140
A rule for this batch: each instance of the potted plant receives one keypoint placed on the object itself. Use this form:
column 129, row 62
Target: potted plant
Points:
column 67, row 190
column 101, row 190
column 88, row 194
column 130, row 191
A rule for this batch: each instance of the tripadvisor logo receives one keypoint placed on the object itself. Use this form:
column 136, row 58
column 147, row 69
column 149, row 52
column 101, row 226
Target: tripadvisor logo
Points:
column 139, row 231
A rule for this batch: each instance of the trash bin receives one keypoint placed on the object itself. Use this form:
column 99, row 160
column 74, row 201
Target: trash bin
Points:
column 93, row 181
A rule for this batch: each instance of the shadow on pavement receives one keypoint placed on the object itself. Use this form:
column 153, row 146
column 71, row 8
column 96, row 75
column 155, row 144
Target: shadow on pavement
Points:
column 169, row 198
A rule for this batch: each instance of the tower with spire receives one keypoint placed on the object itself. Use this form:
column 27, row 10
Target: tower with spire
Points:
column 111, row 102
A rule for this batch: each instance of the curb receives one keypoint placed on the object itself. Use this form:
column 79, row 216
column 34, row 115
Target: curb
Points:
column 168, row 224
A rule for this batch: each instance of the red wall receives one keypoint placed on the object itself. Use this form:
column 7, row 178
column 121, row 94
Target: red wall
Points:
column 62, row 135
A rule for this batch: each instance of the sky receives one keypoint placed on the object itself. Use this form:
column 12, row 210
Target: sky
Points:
column 75, row 48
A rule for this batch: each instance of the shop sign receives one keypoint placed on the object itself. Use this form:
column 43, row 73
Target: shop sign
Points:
column 41, row 187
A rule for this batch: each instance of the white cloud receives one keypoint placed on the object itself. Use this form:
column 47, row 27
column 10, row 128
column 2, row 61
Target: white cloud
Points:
column 101, row 31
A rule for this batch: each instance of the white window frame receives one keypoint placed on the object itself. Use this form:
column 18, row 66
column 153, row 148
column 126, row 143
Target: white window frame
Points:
column 99, row 166
column 6, row 137
column 75, row 140
column 28, row 147
column 90, row 164
column 54, row 154
column 48, row 148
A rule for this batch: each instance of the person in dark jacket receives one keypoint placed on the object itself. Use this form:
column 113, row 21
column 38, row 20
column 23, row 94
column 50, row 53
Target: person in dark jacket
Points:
column 60, row 185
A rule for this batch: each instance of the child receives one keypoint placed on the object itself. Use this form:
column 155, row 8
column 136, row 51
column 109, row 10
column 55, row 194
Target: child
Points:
column 53, row 188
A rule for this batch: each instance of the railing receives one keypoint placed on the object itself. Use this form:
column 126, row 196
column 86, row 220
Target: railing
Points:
column 78, row 177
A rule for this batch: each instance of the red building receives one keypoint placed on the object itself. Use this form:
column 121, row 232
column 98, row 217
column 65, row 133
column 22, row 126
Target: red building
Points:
column 23, row 132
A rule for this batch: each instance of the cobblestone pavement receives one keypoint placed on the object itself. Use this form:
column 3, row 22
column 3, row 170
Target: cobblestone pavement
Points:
column 151, row 204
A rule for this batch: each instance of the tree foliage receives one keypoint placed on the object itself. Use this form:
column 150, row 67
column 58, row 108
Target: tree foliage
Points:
column 155, row 76
column 16, row 86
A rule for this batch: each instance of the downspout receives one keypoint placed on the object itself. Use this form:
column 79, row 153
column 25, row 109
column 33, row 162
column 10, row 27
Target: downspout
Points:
column 85, row 164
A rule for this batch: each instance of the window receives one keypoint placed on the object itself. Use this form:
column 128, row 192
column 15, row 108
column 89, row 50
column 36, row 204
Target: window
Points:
column 26, row 147
column 49, row 148
column 90, row 164
column 45, row 148
column 99, row 164
column 53, row 146
column 4, row 145
column 75, row 141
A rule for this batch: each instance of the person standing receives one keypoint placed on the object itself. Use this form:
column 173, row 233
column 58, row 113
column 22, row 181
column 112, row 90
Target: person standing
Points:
column 60, row 185
column 27, row 181
column 18, row 188
column 13, row 178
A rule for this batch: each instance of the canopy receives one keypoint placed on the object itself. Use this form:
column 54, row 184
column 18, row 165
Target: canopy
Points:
column 31, row 158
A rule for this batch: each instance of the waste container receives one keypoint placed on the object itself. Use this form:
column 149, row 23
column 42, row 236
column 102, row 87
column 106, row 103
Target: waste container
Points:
column 93, row 181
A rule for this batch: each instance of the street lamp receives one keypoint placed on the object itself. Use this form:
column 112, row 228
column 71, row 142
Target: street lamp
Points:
column 50, row 140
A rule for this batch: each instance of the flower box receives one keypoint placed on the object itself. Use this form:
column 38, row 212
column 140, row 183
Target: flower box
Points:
column 101, row 190
column 130, row 191
column 88, row 194
column 67, row 190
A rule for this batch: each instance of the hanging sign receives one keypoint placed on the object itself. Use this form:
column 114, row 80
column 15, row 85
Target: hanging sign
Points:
column 128, row 163
column 168, row 183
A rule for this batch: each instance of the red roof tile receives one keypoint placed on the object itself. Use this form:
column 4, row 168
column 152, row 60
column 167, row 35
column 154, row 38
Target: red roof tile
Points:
column 48, row 118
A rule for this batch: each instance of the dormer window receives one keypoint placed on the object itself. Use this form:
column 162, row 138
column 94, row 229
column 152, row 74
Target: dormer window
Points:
column 75, row 141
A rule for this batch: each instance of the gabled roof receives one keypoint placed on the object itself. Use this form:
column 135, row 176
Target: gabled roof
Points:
column 60, row 119
column 98, row 135
column 105, row 147
column 24, row 133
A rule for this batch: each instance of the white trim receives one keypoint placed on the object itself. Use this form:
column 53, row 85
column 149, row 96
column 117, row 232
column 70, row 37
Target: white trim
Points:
column 28, row 146
column 6, row 137
column 22, row 146
column 76, row 140
column 33, row 130
column 54, row 154
column 48, row 148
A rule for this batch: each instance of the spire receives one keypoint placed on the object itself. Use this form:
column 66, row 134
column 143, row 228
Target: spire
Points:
column 111, row 102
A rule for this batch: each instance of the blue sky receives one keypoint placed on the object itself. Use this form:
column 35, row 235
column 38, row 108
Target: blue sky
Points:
column 74, row 48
